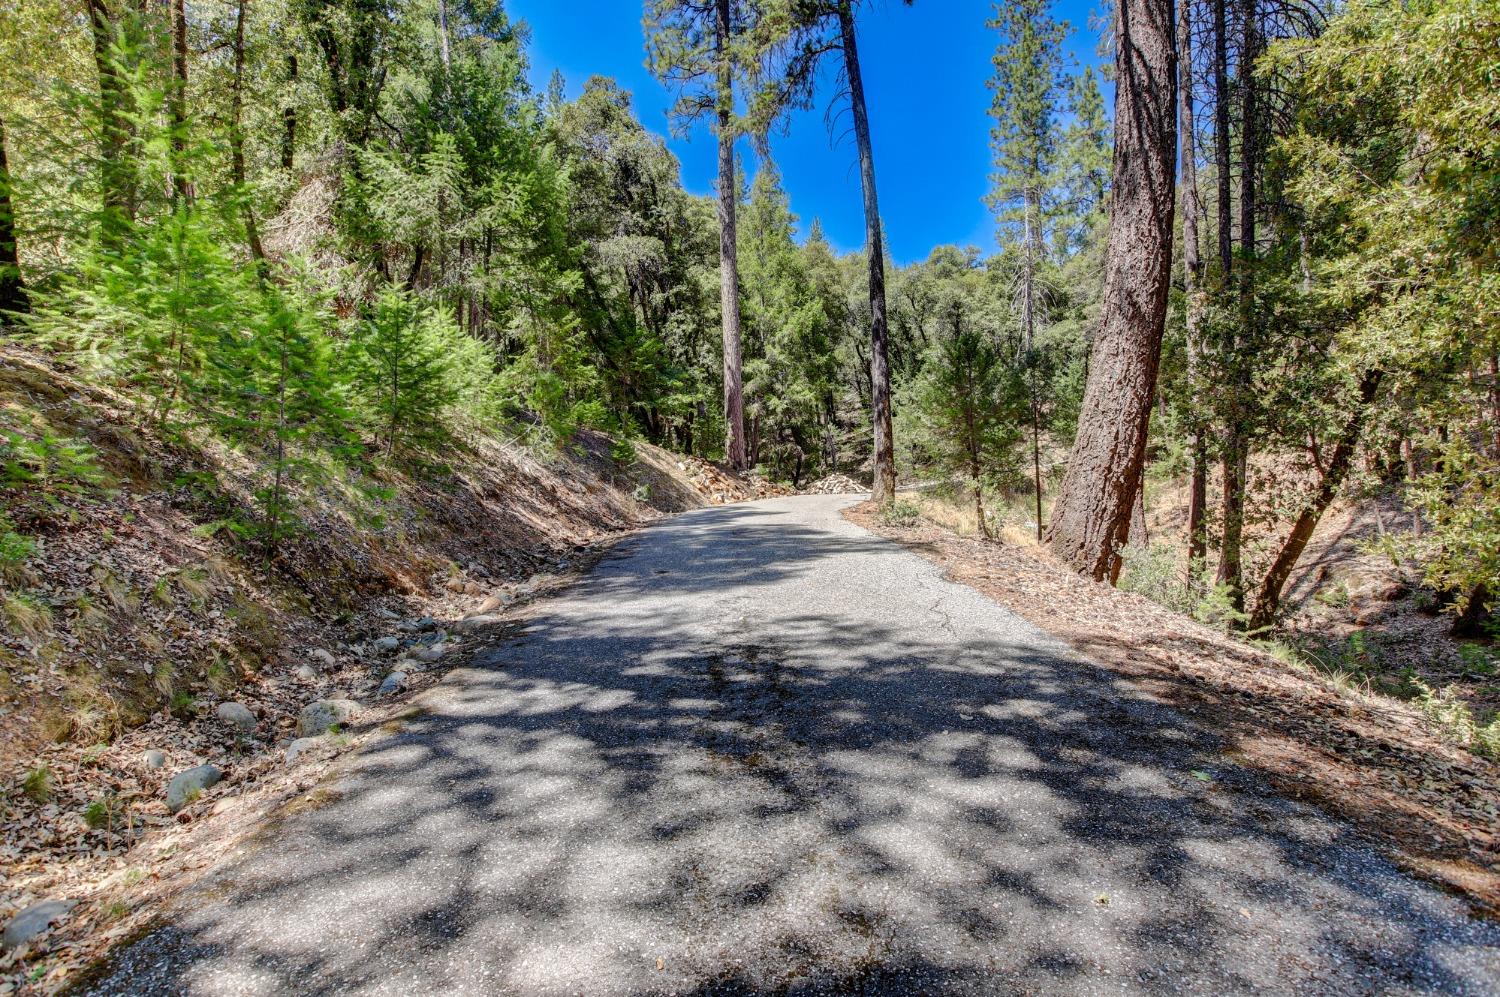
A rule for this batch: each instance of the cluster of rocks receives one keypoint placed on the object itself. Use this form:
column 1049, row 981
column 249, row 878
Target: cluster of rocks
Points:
column 835, row 484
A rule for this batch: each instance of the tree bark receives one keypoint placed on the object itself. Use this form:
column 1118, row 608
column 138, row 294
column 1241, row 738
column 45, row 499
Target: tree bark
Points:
column 289, row 120
column 1221, row 138
column 883, row 487
column 237, row 138
column 1192, row 277
column 1268, row 600
column 116, row 130
column 13, row 297
column 729, row 290
column 182, row 184
column 1091, row 519
column 1236, row 436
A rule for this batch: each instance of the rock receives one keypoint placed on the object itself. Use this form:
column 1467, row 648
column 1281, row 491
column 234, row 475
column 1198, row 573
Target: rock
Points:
column 301, row 747
column 306, row 673
column 33, row 921
column 386, row 645
column 154, row 759
column 497, row 601
column 236, row 715
column 430, row 654
column 185, row 786
column 386, row 614
column 323, row 657
column 424, row 624
column 316, row 717
column 394, row 683
column 476, row 622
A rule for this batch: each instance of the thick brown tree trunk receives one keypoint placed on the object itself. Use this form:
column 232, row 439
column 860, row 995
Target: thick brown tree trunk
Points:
column 883, row 488
column 13, row 296
column 1091, row 519
column 729, row 289
column 1192, row 278
column 1268, row 600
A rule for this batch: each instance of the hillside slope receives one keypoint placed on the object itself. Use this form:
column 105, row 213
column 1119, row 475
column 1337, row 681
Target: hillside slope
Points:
column 138, row 622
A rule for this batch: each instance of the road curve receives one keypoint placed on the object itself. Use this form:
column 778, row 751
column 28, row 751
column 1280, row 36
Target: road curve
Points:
column 761, row 750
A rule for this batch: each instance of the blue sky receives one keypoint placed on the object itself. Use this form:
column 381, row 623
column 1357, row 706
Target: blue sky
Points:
column 925, row 68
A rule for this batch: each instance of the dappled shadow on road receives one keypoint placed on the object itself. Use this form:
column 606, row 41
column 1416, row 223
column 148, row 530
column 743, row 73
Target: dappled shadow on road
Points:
column 645, row 793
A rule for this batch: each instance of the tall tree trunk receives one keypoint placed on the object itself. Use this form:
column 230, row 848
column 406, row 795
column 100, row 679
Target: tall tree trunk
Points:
column 117, row 180
column 1268, row 600
column 729, row 279
column 13, row 297
column 1192, row 278
column 883, row 488
column 1091, row 519
column 444, row 47
column 182, row 184
column 1236, row 436
column 1221, row 139
column 237, row 137
column 289, row 119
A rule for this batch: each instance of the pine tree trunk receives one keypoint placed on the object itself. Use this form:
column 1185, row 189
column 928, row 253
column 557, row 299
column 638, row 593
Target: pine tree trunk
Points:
column 116, row 131
column 1091, row 519
column 883, row 487
column 237, row 137
column 1236, row 437
column 13, row 297
column 289, row 120
column 1221, row 138
column 1268, row 600
column 1192, row 277
column 182, row 185
column 729, row 290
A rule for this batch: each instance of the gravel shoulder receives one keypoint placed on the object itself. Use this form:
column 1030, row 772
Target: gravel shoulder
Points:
column 759, row 749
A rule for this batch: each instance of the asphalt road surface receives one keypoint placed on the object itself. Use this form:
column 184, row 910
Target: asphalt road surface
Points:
column 760, row 750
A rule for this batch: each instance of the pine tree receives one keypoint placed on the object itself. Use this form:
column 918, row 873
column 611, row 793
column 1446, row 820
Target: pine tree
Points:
column 969, row 404
column 693, row 46
column 1091, row 518
column 275, row 396
column 1027, row 61
column 398, row 361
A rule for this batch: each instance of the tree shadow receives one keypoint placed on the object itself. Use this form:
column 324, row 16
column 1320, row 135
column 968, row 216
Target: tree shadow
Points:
column 756, row 754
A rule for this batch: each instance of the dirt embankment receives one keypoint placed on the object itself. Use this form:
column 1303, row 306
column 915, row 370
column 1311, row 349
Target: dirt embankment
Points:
column 141, row 623
column 1379, row 762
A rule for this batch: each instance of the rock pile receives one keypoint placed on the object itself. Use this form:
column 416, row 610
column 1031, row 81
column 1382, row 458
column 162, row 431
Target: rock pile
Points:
column 835, row 484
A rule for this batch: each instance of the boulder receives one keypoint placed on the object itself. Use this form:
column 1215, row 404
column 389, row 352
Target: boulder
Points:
column 393, row 683
column 154, row 759
column 300, row 747
column 34, row 920
column 316, row 717
column 236, row 715
column 386, row 645
column 185, row 786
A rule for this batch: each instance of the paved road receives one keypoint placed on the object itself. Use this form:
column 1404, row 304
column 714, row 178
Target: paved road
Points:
column 760, row 750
